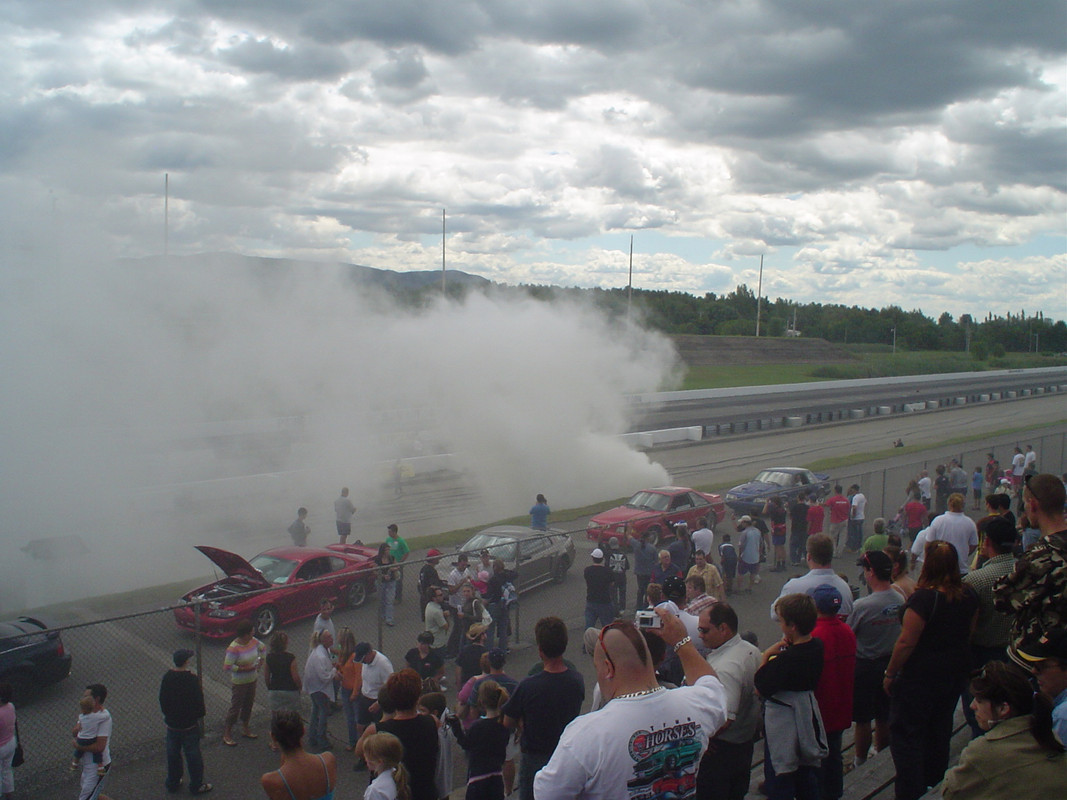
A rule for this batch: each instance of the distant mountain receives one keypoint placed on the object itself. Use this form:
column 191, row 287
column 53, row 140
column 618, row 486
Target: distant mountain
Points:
column 387, row 279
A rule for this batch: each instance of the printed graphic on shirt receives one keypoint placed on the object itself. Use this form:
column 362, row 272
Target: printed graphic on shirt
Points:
column 665, row 761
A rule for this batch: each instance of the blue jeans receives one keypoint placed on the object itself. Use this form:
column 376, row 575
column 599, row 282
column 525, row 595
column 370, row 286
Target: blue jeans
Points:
column 854, row 539
column 187, row 742
column 387, row 593
column 802, row 784
column 351, row 708
column 605, row 612
column 320, row 708
column 501, row 627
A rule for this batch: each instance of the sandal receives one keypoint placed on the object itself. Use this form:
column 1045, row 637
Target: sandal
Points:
column 204, row 789
column 229, row 742
column 250, row 735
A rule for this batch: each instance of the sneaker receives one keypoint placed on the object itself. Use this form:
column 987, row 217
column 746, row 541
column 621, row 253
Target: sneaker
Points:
column 75, row 765
column 757, row 579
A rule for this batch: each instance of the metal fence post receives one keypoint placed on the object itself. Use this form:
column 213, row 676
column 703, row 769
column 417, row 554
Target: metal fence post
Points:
column 199, row 655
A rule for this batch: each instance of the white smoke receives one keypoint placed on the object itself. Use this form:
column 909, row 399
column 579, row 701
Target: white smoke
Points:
column 150, row 406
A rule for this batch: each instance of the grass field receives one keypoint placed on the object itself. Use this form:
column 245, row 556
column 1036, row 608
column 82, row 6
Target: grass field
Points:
column 867, row 364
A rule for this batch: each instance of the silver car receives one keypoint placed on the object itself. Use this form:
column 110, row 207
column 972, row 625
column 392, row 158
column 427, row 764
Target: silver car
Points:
column 537, row 556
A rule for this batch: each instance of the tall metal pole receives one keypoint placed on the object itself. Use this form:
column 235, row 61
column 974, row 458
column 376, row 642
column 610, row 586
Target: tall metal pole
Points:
column 630, row 280
column 442, row 251
column 166, row 213
column 759, row 294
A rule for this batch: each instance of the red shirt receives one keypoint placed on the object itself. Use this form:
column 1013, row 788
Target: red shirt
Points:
column 834, row 692
column 839, row 506
column 815, row 516
column 916, row 514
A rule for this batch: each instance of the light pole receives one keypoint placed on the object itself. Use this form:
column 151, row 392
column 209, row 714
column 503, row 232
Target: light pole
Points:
column 894, row 340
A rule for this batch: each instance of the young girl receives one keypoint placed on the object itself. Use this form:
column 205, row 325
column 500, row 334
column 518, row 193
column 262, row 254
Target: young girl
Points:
column 486, row 744
column 383, row 753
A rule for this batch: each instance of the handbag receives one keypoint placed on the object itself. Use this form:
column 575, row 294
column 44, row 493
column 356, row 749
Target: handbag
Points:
column 19, row 758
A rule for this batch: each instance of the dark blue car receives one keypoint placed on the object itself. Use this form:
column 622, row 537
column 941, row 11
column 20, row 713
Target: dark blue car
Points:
column 31, row 655
column 785, row 482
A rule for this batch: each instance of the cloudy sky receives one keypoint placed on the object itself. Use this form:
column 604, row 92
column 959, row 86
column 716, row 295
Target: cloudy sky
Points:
column 909, row 152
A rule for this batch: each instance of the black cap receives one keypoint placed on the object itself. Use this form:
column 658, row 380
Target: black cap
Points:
column 182, row 656
column 1035, row 648
column 878, row 562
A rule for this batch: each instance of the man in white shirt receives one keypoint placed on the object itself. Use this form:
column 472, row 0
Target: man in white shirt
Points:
column 704, row 538
column 1029, row 459
column 957, row 529
column 856, row 515
column 925, row 488
column 344, row 509
column 646, row 735
column 725, row 768
column 376, row 670
column 91, row 780
column 820, row 554
column 319, row 675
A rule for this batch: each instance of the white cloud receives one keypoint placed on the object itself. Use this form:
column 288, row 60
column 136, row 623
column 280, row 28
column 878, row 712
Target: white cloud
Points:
column 856, row 141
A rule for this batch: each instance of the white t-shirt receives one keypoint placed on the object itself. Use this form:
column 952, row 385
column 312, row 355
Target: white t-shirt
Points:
column 344, row 509
column 634, row 744
column 381, row 788
column 1029, row 458
column 103, row 729
column 807, row 584
column 90, row 723
column 375, row 675
column 859, row 505
column 1018, row 464
column 957, row 529
column 703, row 539
column 919, row 545
column 322, row 624
column 924, row 487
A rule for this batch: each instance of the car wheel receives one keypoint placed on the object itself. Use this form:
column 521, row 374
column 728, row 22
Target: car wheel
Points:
column 356, row 595
column 656, row 533
column 266, row 621
column 560, row 573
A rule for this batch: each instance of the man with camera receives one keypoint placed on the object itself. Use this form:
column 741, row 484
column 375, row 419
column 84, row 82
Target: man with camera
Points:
column 645, row 735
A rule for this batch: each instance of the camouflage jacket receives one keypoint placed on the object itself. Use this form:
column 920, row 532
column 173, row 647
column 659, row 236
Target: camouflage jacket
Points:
column 1036, row 590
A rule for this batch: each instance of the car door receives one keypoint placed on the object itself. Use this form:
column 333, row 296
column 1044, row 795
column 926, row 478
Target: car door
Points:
column 535, row 562
column 302, row 596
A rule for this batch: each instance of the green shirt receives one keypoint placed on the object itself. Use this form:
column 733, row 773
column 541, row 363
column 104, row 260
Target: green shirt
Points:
column 878, row 541
column 398, row 548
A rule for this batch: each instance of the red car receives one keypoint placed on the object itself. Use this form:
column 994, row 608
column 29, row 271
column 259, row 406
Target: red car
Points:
column 277, row 586
column 655, row 511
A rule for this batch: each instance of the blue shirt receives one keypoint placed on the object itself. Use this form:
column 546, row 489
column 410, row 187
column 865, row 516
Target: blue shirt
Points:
column 539, row 516
column 1059, row 717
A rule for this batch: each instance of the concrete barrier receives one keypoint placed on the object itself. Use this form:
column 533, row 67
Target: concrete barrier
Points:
column 793, row 422
column 1011, row 395
column 857, row 413
column 994, row 395
column 885, row 409
column 961, row 401
column 933, row 404
column 983, row 398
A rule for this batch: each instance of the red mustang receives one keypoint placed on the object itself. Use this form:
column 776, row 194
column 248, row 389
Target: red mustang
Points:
column 276, row 587
column 655, row 511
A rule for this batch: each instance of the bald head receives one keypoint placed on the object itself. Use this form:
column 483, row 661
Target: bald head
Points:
column 622, row 655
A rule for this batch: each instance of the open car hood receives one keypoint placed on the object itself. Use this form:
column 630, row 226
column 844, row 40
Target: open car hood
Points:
column 233, row 564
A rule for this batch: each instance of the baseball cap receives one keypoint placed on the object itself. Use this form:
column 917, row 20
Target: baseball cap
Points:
column 597, row 554
column 745, row 518
column 433, row 552
column 827, row 599
column 181, row 656
column 878, row 562
column 1038, row 647
column 673, row 588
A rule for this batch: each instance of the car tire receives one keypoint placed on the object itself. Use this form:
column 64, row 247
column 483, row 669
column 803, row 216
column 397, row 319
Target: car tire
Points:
column 356, row 594
column 559, row 574
column 265, row 621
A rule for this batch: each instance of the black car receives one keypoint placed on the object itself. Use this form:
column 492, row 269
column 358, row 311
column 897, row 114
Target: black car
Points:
column 31, row 655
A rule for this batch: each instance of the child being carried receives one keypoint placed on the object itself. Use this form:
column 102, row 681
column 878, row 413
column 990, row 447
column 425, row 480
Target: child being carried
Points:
column 86, row 731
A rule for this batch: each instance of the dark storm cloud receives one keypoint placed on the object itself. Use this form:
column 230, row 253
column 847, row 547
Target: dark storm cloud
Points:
column 261, row 55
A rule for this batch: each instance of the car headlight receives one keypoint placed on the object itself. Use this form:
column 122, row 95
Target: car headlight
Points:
column 222, row 613
column 731, row 496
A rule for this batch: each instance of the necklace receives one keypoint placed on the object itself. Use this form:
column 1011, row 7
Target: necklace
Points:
column 642, row 693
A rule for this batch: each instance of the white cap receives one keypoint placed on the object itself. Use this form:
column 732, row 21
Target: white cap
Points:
column 597, row 554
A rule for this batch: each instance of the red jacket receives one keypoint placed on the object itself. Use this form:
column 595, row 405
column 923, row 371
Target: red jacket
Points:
column 834, row 692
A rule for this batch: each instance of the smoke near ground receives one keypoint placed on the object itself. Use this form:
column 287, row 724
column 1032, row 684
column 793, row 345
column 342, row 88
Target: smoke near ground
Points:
column 154, row 405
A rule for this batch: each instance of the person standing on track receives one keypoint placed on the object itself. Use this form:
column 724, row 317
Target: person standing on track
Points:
column 344, row 510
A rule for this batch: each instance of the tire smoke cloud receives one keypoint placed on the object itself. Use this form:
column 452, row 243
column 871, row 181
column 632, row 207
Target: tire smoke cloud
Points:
column 156, row 404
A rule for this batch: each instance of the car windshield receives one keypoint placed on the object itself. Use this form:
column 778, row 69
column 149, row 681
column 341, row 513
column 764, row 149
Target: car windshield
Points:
column 498, row 547
column 654, row 501
column 773, row 476
column 274, row 569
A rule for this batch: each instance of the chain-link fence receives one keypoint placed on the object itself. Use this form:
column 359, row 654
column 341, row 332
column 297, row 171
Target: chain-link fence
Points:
column 130, row 653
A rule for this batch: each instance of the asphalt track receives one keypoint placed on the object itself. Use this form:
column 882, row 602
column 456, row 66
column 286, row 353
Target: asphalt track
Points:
column 130, row 655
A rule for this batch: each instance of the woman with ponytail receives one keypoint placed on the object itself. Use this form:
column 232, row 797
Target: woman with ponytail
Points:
column 1018, row 756
column 486, row 743
column 384, row 755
